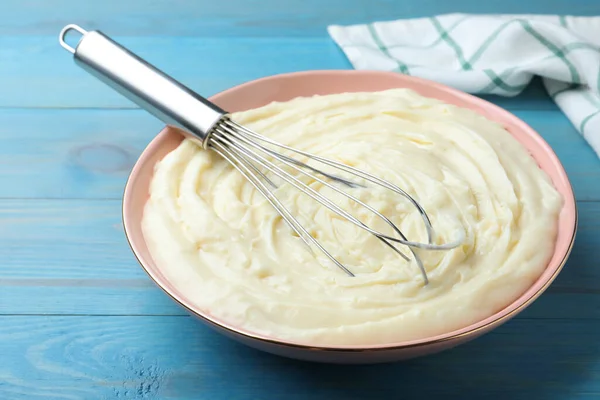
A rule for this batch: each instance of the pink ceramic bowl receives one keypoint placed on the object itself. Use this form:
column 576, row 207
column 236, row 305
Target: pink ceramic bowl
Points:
column 288, row 86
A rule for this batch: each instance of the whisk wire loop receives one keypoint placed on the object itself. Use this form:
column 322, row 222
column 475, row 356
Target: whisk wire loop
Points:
column 247, row 171
column 241, row 147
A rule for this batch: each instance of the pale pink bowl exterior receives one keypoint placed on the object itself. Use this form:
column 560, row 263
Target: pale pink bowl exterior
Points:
column 287, row 86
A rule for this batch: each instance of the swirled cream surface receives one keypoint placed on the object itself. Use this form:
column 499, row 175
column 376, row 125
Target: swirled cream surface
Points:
column 222, row 245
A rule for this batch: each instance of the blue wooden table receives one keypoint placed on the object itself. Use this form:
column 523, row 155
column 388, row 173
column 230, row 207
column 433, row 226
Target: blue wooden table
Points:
column 79, row 319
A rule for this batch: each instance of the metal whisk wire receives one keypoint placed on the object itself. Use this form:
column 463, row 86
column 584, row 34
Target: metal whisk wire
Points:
column 241, row 147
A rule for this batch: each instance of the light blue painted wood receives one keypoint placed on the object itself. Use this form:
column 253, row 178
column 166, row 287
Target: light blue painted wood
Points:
column 179, row 358
column 67, row 144
column 247, row 18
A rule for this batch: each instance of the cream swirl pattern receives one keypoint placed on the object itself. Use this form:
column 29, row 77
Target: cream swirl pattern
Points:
column 220, row 242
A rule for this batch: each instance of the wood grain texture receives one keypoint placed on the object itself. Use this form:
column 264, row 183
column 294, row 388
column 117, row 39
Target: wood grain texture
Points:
column 254, row 18
column 179, row 358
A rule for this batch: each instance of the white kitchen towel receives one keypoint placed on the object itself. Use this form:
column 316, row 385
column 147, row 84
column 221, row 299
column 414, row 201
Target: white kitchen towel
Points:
column 497, row 54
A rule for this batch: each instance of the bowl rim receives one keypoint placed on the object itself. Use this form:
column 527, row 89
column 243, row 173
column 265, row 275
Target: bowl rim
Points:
column 476, row 328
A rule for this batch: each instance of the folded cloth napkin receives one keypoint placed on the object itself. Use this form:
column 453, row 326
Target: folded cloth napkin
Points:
column 497, row 54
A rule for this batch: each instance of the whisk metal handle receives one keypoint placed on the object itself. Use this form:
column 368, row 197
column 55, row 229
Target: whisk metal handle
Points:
column 153, row 90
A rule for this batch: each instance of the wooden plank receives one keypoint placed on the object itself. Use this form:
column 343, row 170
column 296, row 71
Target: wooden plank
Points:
column 71, row 257
column 70, row 153
column 243, row 17
column 140, row 297
column 89, row 153
column 175, row 357
column 37, row 72
column 64, row 239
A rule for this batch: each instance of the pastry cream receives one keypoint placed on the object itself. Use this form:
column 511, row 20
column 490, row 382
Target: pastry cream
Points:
column 222, row 245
